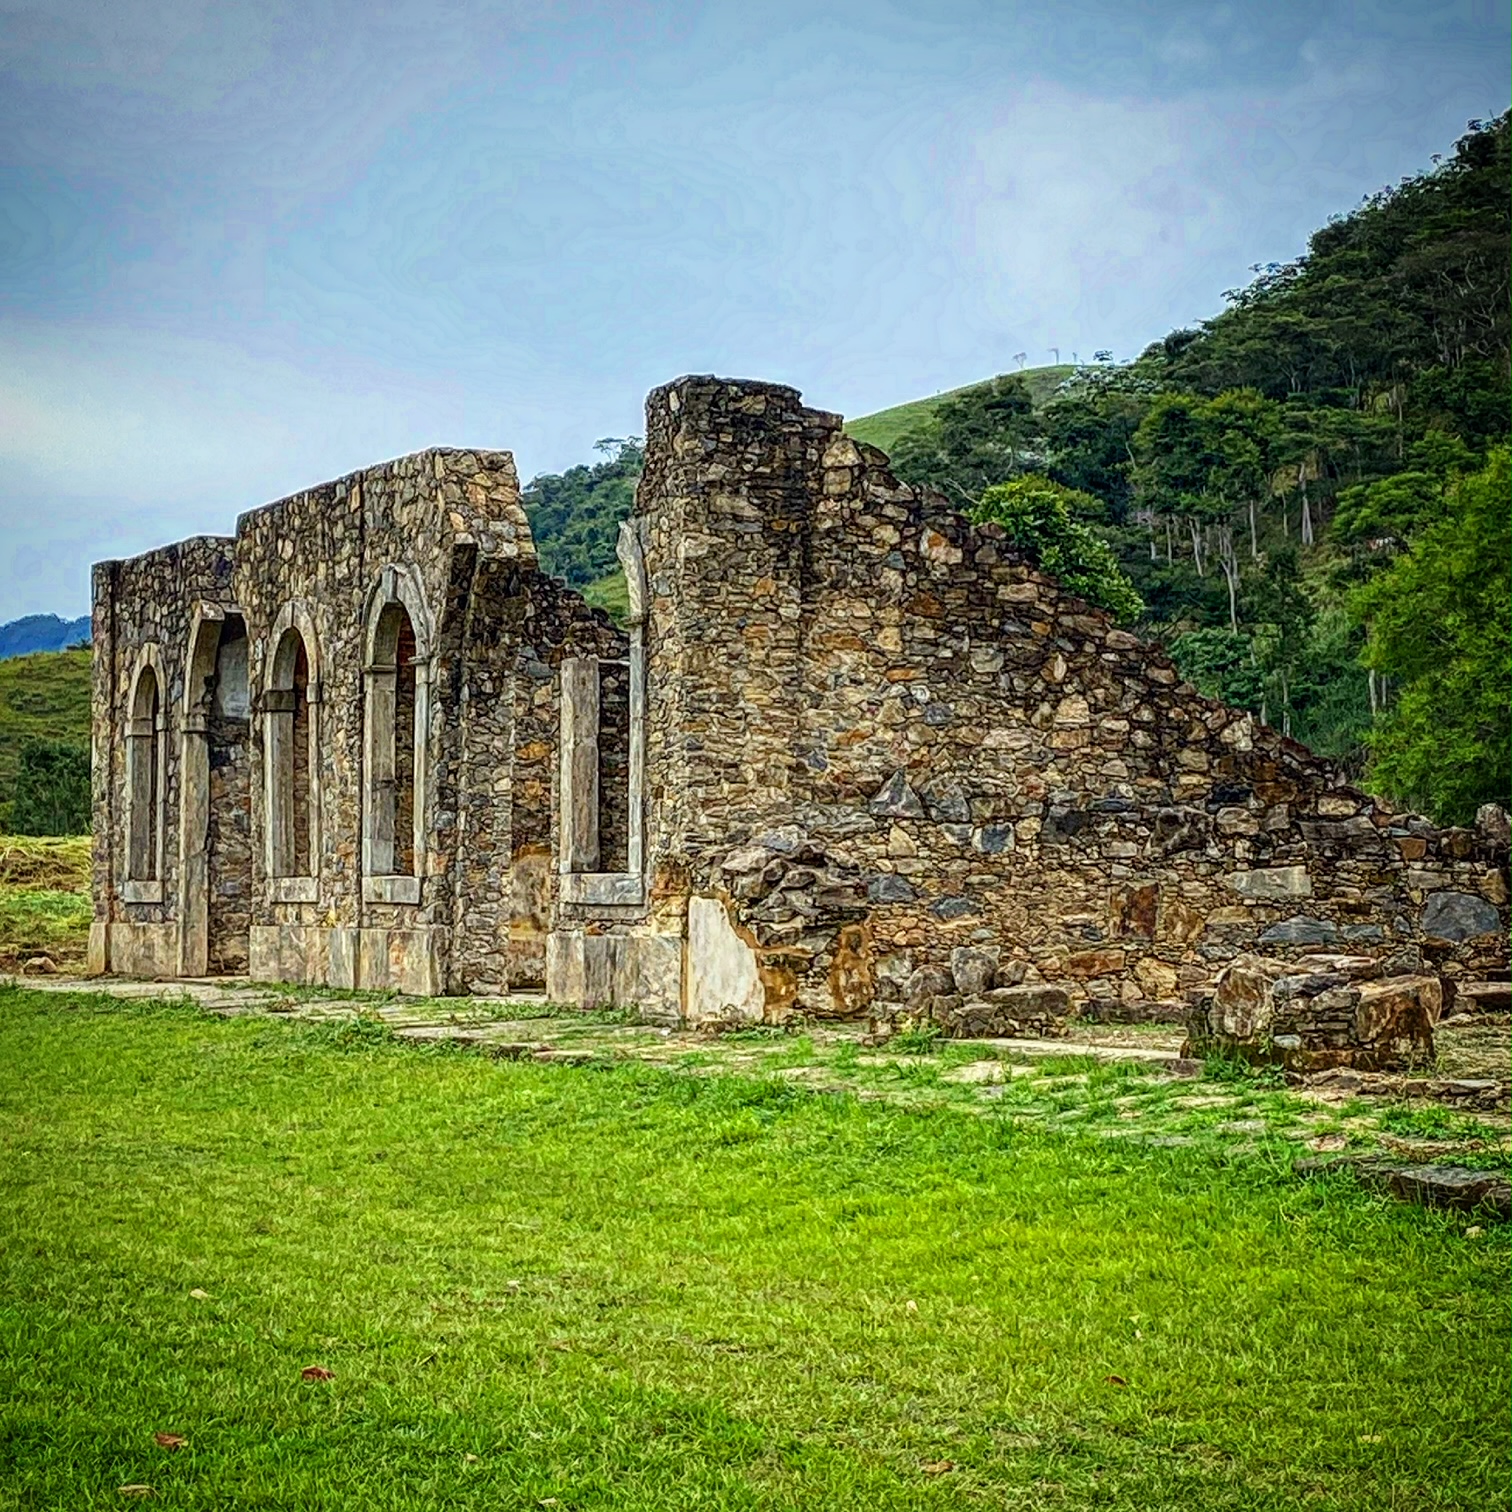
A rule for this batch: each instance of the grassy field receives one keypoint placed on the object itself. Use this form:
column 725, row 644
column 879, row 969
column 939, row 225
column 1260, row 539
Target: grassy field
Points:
column 46, row 696
column 45, row 905
column 620, row 1286
column 883, row 428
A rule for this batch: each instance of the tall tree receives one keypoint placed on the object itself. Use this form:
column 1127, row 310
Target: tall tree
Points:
column 1437, row 624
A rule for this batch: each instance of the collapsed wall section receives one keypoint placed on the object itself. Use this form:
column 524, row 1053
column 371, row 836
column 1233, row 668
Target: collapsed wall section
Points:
column 913, row 773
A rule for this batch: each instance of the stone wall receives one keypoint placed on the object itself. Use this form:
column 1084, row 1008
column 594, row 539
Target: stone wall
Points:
column 467, row 901
column 853, row 756
column 912, row 771
column 143, row 614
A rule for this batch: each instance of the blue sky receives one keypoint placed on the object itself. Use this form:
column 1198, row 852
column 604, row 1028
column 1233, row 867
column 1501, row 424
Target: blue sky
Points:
column 245, row 247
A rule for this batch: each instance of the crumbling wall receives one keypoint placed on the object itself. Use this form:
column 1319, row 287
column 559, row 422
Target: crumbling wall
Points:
column 915, row 772
column 520, row 627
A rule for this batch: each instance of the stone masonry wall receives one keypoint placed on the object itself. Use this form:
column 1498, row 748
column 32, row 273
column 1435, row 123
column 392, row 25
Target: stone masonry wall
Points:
column 913, row 770
column 889, row 768
column 143, row 607
column 489, row 632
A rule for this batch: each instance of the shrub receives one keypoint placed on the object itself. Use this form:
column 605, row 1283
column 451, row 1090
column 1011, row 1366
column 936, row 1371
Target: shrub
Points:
column 1038, row 516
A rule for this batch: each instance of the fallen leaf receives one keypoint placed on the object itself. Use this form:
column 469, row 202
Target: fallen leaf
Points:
column 911, row 1306
column 316, row 1373
column 169, row 1440
column 1115, row 1380
column 1370, row 1438
column 135, row 1490
column 470, row 1459
column 937, row 1467
column 200, row 1294
column 1474, row 1231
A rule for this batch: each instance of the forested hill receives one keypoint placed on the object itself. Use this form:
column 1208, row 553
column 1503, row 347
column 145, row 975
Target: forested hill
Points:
column 1308, row 492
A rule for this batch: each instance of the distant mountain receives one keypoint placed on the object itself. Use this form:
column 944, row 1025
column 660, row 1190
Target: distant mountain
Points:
column 41, row 632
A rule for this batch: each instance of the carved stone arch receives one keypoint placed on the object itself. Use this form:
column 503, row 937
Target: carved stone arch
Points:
column 397, row 584
column 398, row 645
column 290, row 702
column 279, row 671
column 146, row 776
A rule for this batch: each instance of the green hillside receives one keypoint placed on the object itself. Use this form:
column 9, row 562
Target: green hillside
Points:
column 884, row 428
column 44, row 696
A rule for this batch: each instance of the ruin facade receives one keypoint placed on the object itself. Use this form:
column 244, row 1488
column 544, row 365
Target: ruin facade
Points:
column 850, row 755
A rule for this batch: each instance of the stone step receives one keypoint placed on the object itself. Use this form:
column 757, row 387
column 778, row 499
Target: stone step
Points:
column 1462, row 1188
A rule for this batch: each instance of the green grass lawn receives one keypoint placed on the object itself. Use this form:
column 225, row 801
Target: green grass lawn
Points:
column 45, row 906
column 630, row 1287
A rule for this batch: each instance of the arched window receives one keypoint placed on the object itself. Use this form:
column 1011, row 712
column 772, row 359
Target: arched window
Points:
column 144, row 781
column 292, row 756
column 397, row 719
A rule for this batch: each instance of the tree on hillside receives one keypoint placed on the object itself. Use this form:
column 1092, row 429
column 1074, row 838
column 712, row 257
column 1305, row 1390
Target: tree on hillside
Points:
column 1438, row 626
column 981, row 437
column 574, row 516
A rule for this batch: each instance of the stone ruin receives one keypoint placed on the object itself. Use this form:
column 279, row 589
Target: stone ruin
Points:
column 850, row 756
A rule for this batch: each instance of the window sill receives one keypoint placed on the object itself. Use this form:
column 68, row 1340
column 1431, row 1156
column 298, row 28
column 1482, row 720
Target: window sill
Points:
column 391, row 889
column 142, row 892
column 603, row 888
column 293, row 889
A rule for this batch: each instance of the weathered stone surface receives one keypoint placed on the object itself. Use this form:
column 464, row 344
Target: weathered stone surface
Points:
column 1301, row 930
column 1483, row 997
column 895, row 799
column 724, row 985
column 1460, row 1188
column 1038, row 1011
column 973, row 970
column 926, row 983
column 1272, row 882
column 1459, row 916
column 1308, row 1016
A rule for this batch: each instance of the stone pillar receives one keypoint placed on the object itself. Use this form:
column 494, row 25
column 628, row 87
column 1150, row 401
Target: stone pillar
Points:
column 278, row 757
column 378, row 809
column 194, row 827
column 579, row 782
column 724, row 505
